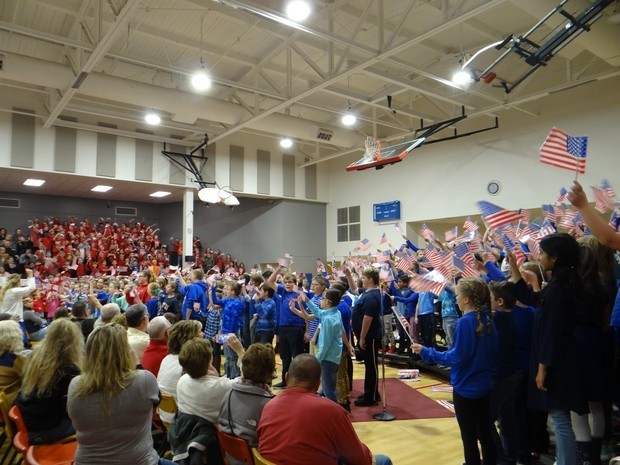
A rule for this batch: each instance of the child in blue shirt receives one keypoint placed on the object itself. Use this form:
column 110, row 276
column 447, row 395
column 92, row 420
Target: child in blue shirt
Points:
column 472, row 359
column 263, row 310
column 233, row 307
column 330, row 337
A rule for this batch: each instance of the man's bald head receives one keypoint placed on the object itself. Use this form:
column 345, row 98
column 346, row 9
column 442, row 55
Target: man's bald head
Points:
column 109, row 311
column 304, row 372
column 158, row 327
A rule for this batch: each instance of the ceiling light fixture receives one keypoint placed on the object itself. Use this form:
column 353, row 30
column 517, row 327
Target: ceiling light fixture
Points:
column 152, row 118
column 200, row 79
column 286, row 143
column 34, row 182
column 159, row 194
column 349, row 119
column 101, row 188
column 462, row 77
column 298, row 10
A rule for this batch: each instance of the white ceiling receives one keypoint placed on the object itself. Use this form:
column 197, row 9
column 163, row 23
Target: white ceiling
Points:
column 278, row 79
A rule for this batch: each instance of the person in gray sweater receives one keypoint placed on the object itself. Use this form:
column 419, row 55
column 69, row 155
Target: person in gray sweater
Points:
column 242, row 406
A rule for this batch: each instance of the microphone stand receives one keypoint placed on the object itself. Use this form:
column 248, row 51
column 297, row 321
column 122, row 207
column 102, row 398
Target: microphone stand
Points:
column 384, row 415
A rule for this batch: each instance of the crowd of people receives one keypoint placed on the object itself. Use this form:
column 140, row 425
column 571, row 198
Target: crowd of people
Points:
column 118, row 342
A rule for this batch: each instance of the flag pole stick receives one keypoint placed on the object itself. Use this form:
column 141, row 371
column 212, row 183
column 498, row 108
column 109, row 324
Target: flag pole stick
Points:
column 384, row 415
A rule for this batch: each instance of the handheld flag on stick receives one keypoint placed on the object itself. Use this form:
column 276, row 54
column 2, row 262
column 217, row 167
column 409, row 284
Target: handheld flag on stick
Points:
column 496, row 216
column 383, row 239
column 563, row 151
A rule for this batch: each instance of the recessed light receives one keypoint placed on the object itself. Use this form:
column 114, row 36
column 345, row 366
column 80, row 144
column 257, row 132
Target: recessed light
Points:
column 298, row 10
column 101, row 188
column 348, row 119
column 34, row 182
column 152, row 118
column 159, row 194
column 286, row 143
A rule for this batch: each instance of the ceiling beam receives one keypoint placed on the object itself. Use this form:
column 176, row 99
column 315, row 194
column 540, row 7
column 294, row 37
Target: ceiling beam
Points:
column 125, row 15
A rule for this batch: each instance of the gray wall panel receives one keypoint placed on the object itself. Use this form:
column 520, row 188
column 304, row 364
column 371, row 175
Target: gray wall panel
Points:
column 106, row 155
column 288, row 172
column 177, row 175
column 263, row 172
column 64, row 150
column 236, row 168
column 144, row 160
column 310, row 174
column 22, row 141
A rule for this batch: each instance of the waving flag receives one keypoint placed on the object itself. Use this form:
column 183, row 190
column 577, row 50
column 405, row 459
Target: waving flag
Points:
column 451, row 234
column 496, row 216
column 562, row 196
column 614, row 221
column 526, row 214
column 364, row 244
column 469, row 225
column 611, row 194
column 432, row 282
column 427, row 233
column 534, row 247
column 462, row 252
column 546, row 229
column 383, row 239
column 441, row 261
column 568, row 220
column 399, row 230
column 602, row 200
column 548, row 212
column 564, row 151
column 467, row 271
column 515, row 249
column 383, row 256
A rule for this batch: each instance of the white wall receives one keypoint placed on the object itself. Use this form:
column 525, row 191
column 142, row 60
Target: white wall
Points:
column 446, row 179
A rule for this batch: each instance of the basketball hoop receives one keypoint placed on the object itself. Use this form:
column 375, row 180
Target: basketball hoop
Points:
column 373, row 149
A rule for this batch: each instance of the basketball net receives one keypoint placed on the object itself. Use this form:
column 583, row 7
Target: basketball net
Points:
column 373, row 149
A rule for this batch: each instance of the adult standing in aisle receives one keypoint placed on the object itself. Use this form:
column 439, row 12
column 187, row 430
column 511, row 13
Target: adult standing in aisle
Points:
column 367, row 322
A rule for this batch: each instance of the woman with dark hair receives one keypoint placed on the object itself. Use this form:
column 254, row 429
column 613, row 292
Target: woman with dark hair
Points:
column 557, row 389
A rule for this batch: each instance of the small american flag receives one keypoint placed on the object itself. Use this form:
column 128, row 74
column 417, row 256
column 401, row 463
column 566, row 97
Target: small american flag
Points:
column 383, row 239
column 559, row 212
column 490, row 255
column 562, row 196
column 441, row 261
column 548, row 212
column 602, row 200
column 467, row 271
column 564, row 151
column 429, row 282
column 515, row 249
column 526, row 214
column 462, row 252
column 608, row 189
column 399, row 230
column 496, row 216
column 546, row 229
column 469, row 225
column 568, row 220
column 426, row 233
column 364, row 244
column 383, row 256
column 534, row 247
column 451, row 234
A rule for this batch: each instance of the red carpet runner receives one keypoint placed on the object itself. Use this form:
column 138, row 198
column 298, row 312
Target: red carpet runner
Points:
column 403, row 401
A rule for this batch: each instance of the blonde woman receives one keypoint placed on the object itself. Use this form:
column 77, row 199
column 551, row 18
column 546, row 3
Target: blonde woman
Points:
column 111, row 403
column 48, row 372
column 12, row 295
column 11, row 361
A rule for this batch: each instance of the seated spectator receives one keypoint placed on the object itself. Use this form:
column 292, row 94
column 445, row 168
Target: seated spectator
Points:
column 242, row 406
column 121, row 320
column 61, row 312
column 200, row 390
column 300, row 428
column 48, row 372
column 80, row 315
column 137, row 320
column 111, row 404
column 170, row 370
column 158, row 345
column 108, row 312
column 35, row 327
column 11, row 360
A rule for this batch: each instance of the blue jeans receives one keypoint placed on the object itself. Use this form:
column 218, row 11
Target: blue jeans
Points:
column 165, row 462
column 382, row 460
column 564, row 437
column 329, row 376
column 449, row 328
column 230, row 366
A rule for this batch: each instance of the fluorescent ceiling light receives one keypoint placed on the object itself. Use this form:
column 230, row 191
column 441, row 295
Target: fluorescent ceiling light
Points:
column 286, row 143
column 152, row 118
column 34, row 182
column 348, row 119
column 298, row 10
column 159, row 194
column 201, row 80
column 101, row 188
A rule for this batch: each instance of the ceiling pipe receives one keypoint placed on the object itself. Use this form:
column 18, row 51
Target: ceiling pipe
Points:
column 184, row 106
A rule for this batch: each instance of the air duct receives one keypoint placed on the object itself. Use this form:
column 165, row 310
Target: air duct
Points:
column 184, row 106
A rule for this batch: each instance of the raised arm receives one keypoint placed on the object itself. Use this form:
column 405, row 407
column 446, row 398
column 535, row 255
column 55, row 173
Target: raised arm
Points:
column 597, row 225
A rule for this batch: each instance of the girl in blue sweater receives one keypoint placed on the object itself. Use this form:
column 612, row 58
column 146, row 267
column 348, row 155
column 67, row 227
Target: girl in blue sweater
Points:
column 472, row 359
